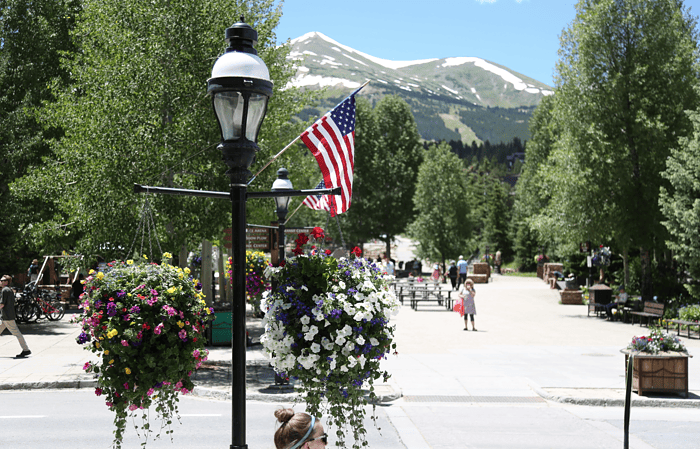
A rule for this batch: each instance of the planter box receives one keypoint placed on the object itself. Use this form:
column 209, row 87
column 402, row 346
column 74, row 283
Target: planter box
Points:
column 665, row 372
column 540, row 271
column 571, row 297
column 482, row 268
column 478, row 278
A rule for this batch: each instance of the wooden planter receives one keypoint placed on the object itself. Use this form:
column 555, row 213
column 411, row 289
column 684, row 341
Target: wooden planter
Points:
column 665, row 372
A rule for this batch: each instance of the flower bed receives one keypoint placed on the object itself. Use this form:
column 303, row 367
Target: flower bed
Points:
column 145, row 321
column 327, row 325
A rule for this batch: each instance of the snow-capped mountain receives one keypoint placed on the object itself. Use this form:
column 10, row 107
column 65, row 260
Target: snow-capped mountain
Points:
column 460, row 98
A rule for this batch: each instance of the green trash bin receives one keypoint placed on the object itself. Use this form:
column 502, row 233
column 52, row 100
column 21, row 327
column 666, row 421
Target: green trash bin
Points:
column 221, row 329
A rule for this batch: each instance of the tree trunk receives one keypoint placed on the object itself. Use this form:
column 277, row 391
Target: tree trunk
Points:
column 388, row 247
column 626, row 266
column 646, row 287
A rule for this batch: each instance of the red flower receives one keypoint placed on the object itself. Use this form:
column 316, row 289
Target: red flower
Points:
column 317, row 233
column 283, row 263
column 357, row 251
column 328, row 252
column 302, row 239
column 298, row 251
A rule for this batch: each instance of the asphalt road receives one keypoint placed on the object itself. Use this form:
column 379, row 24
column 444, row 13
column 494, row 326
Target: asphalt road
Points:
column 76, row 418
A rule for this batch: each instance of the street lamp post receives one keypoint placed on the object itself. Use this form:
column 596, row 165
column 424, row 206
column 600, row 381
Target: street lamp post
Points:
column 281, row 207
column 240, row 87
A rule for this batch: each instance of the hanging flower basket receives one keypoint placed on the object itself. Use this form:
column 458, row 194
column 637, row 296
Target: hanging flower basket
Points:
column 327, row 325
column 145, row 322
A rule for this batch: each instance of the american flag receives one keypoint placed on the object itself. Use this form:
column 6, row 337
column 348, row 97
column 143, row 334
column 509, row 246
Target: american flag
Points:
column 317, row 202
column 332, row 142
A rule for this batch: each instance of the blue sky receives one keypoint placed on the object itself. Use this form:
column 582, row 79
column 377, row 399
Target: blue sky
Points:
column 522, row 35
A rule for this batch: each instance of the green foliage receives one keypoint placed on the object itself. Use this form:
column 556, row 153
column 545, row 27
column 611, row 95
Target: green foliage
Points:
column 136, row 112
column 145, row 322
column 690, row 313
column 680, row 203
column 445, row 220
column 33, row 35
column 624, row 78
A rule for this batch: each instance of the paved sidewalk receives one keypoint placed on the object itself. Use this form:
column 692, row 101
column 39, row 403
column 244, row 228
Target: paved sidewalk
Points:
column 527, row 346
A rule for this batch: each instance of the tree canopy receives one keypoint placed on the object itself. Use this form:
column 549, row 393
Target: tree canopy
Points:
column 136, row 111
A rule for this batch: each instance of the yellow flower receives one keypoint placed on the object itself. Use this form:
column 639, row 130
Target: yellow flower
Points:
column 100, row 275
column 181, row 324
column 144, row 257
column 167, row 255
column 171, row 290
column 91, row 271
column 181, row 275
column 130, row 262
column 110, row 362
column 187, row 271
column 97, row 344
column 208, row 310
column 106, row 351
column 127, row 370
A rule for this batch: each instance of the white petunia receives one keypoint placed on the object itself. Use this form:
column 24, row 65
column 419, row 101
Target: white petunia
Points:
column 360, row 340
column 309, row 336
column 373, row 341
column 305, row 319
column 315, row 348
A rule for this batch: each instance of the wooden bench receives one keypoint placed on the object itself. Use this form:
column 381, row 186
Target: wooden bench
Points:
column 652, row 311
column 685, row 323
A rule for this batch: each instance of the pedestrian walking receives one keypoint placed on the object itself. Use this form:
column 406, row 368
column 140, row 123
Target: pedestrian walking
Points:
column 452, row 273
column 7, row 306
column 467, row 294
column 462, row 266
column 299, row 430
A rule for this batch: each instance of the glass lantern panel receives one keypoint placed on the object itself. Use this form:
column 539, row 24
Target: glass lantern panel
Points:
column 229, row 107
column 282, row 202
column 256, row 112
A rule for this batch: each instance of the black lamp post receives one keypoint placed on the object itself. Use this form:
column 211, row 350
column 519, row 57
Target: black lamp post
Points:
column 240, row 87
column 281, row 207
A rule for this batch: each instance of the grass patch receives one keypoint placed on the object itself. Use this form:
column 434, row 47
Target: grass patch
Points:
column 522, row 274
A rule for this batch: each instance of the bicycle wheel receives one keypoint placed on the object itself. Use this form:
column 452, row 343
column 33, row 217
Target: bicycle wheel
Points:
column 54, row 311
column 29, row 311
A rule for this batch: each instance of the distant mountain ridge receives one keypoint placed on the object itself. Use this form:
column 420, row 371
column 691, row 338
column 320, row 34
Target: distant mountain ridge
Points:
column 458, row 98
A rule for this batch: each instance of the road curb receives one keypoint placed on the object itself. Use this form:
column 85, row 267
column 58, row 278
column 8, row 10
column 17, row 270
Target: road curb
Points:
column 615, row 402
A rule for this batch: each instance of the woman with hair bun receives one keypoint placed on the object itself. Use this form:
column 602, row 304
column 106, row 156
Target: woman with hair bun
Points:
column 299, row 431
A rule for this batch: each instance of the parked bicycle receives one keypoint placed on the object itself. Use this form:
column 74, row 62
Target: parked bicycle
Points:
column 31, row 304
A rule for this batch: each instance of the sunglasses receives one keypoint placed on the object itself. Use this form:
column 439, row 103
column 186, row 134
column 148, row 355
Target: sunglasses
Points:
column 323, row 438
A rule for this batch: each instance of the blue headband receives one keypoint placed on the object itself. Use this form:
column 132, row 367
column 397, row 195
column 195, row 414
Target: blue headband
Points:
column 306, row 435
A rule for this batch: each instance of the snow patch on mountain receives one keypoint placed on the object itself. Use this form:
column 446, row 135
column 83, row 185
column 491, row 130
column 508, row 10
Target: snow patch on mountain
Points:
column 322, row 81
column 517, row 83
column 383, row 62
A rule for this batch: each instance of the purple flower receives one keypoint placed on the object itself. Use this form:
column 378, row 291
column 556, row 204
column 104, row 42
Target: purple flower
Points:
column 135, row 309
column 111, row 309
column 83, row 338
column 182, row 334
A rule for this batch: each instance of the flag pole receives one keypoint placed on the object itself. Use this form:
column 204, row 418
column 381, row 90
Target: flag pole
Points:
column 295, row 140
column 295, row 211
column 274, row 158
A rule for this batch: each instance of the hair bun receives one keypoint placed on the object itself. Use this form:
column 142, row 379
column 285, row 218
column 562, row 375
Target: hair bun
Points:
column 283, row 415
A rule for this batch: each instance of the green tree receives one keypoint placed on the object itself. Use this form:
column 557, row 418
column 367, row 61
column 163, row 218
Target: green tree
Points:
column 680, row 203
column 33, row 35
column 387, row 156
column 137, row 112
column 624, row 79
column 444, row 222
